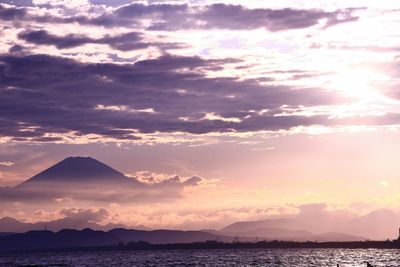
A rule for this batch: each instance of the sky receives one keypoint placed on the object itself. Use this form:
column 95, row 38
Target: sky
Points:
column 270, row 105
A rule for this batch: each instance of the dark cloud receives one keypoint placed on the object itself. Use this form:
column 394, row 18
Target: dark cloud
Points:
column 16, row 49
column 44, row 95
column 218, row 16
column 18, row 2
column 124, row 42
column 237, row 17
column 42, row 37
column 12, row 13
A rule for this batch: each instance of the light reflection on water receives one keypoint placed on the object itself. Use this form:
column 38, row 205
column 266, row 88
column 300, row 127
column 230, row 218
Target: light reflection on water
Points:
column 221, row 257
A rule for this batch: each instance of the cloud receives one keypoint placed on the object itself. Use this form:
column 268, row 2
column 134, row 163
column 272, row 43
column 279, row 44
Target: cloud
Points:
column 6, row 163
column 44, row 38
column 147, row 191
column 15, row 49
column 237, row 17
column 311, row 209
column 87, row 215
column 123, row 42
column 12, row 13
column 168, row 17
column 392, row 70
column 232, row 17
column 56, row 220
column 370, row 48
column 53, row 99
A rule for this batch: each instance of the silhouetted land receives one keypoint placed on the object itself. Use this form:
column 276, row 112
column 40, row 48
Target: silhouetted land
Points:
column 141, row 245
column 117, row 239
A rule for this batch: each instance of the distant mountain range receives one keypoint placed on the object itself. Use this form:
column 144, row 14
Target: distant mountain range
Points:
column 374, row 225
column 8, row 224
column 67, row 238
column 122, row 239
column 230, row 233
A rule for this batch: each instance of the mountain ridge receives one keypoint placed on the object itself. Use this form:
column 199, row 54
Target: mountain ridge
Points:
column 66, row 238
column 9, row 224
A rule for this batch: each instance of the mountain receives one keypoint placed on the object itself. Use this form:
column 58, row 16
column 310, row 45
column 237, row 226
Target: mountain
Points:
column 163, row 236
column 76, row 171
column 272, row 233
column 81, row 178
column 6, row 233
column 247, row 226
column 379, row 224
column 292, row 235
column 8, row 224
column 288, row 229
column 39, row 240
column 35, row 240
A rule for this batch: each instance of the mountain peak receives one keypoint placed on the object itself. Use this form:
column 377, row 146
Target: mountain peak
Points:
column 77, row 170
column 8, row 220
column 79, row 158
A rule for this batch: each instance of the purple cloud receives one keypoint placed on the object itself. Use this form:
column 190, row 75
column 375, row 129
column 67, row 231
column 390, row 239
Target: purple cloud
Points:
column 44, row 94
column 219, row 16
column 123, row 42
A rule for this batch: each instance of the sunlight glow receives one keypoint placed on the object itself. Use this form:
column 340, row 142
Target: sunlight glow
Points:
column 359, row 83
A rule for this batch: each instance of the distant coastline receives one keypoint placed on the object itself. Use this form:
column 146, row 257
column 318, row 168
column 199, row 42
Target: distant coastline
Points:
column 214, row 245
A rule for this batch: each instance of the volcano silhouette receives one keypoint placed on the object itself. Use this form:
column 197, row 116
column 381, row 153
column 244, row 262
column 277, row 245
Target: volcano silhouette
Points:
column 78, row 169
column 77, row 173
column 87, row 179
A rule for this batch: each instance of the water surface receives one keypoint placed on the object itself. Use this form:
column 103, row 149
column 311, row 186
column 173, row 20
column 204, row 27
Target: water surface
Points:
column 219, row 257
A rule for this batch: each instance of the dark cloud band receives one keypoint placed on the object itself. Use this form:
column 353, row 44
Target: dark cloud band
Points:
column 42, row 95
column 123, row 42
column 168, row 17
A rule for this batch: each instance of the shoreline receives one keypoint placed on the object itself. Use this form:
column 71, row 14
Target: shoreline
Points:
column 213, row 245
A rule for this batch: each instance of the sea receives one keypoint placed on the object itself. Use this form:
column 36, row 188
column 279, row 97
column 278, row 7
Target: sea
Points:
column 215, row 257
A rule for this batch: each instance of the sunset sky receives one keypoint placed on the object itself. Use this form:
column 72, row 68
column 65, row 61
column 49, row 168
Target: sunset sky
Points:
column 270, row 105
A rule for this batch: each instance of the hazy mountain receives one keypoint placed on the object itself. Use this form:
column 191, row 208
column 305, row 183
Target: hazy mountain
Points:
column 82, row 178
column 292, row 235
column 34, row 240
column 8, row 224
column 89, row 181
column 377, row 225
column 272, row 233
column 247, row 226
column 78, row 171
column 137, row 227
